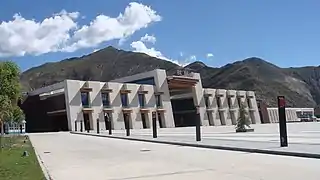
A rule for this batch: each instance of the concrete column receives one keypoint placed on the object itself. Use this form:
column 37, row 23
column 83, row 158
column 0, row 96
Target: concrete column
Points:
column 198, row 99
column 160, row 78
column 233, row 105
column 73, row 102
column 224, row 109
column 217, row 119
column 115, row 103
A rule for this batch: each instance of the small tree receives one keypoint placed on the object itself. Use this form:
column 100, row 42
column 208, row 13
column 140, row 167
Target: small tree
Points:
column 17, row 115
column 243, row 120
column 10, row 90
column 5, row 111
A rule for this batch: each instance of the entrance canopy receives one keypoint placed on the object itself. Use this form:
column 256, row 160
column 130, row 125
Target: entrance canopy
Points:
column 181, row 82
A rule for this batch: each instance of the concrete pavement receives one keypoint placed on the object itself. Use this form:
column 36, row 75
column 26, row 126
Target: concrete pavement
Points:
column 304, row 138
column 69, row 156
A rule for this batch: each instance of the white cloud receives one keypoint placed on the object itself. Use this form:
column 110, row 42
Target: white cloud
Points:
column 139, row 46
column 104, row 28
column 209, row 55
column 193, row 58
column 61, row 32
column 181, row 54
column 21, row 36
column 148, row 38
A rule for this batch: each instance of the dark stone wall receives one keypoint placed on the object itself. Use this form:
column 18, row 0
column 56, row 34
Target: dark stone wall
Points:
column 37, row 119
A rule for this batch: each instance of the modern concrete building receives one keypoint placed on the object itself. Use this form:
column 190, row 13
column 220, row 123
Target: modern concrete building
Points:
column 175, row 101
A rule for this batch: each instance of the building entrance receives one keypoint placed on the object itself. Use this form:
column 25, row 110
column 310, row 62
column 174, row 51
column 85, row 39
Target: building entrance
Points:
column 59, row 122
column 184, row 112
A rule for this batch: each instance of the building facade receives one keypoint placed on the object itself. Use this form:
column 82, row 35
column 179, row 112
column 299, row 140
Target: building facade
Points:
column 292, row 114
column 175, row 101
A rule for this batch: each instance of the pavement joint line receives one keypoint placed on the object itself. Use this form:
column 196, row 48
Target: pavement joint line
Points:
column 164, row 174
column 229, row 148
column 45, row 170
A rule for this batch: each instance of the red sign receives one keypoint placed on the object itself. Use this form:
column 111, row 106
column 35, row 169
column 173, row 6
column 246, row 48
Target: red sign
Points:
column 282, row 102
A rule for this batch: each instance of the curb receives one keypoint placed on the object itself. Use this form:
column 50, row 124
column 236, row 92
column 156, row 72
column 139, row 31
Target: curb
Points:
column 249, row 150
column 42, row 166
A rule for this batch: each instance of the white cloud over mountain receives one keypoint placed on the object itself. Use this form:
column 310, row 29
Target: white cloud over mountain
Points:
column 140, row 46
column 149, row 38
column 62, row 32
column 209, row 55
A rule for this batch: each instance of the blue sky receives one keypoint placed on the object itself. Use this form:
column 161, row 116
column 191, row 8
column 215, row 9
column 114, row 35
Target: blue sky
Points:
column 286, row 32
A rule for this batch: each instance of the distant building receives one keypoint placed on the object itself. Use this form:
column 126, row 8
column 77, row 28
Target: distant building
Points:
column 175, row 101
column 271, row 115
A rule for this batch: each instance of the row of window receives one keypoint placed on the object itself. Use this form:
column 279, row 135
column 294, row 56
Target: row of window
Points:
column 219, row 103
column 124, row 99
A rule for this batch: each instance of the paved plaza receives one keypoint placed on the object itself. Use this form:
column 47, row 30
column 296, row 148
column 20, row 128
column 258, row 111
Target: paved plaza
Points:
column 70, row 156
column 304, row 138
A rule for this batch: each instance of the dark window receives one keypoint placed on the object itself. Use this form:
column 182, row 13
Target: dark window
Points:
column 219, row 102
column 141, row 100
column 230, row 103
column 149, row 81
column 239, row 102
column 85, row 99
column 124, row 100
column 207, row 101
column 105, row 99
column 248, row 103
column 158, row 100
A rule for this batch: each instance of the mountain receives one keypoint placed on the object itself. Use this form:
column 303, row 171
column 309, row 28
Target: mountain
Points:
column 103, row 65
column 300, row 86
column 266, row 79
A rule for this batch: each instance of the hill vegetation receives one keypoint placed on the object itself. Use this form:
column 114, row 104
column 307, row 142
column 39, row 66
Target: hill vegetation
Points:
column 301, row 86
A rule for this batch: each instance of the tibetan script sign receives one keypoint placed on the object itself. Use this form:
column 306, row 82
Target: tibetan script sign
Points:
column 184, row 72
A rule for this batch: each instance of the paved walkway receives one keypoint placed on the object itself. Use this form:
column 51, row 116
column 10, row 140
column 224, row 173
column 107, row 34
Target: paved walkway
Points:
column 69, row 156
column 304, row 138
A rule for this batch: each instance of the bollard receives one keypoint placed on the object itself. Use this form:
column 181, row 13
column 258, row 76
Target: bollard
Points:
column 127, row 127
column 198, row 127
column 98, row 128
column 110, row 128
column 154, row 126
column 198, row 130
column 81, row 126
column 75, row 126
column 282, row 121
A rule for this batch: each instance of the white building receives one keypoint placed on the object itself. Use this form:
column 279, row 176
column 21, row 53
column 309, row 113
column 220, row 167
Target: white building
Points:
column 175, row 101
column 292, row 114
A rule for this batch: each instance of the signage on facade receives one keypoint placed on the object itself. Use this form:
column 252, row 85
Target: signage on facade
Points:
column 184, row 72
